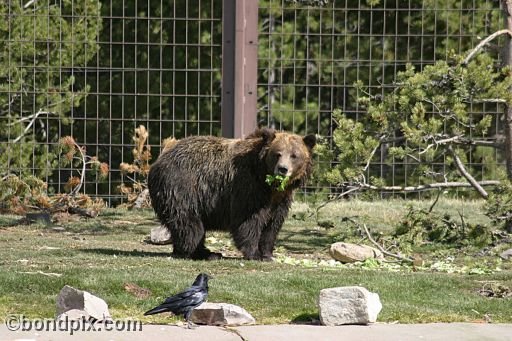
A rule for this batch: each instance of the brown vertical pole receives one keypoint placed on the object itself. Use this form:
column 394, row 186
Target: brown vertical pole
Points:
column 239, row 67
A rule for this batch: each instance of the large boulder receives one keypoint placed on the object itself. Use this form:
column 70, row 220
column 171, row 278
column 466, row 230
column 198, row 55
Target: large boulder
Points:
column 83, row 303
column 350, row 253
column 348, row 305
column 221, row 314
column 507, row 254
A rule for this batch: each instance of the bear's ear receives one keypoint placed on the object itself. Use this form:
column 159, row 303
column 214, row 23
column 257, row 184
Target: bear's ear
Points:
column 267, row 135
column 310, row 140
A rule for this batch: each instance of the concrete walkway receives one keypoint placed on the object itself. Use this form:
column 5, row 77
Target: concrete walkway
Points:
column 384, row 332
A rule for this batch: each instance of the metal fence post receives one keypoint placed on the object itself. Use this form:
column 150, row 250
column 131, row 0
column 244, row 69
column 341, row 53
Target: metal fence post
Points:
column 239, row 67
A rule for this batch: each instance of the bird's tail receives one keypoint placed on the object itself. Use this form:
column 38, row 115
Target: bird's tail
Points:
column 156, row 310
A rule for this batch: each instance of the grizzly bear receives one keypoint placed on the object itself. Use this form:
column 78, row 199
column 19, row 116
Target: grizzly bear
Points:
column 212, row 183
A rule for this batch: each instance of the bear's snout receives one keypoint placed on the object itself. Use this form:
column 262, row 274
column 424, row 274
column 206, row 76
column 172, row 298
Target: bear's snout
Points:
column 282, row 170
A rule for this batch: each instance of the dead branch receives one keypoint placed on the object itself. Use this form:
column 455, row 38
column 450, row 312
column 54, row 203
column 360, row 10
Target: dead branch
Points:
column 424, row 187
column 83, row 212
column 49, row 274
column 441, row 142
column 381, row 140
column 435, row 201
column 486, row 143
column 82, row 175
column 384, row 251
column 485, row 42
column 465, row 173
column 33, row 119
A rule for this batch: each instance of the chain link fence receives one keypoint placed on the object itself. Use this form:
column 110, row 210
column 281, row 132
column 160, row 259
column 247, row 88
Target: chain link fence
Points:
column 97, row 69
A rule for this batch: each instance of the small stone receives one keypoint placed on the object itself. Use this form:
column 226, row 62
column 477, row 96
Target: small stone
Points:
column 348, row 305
column 221, row 314
column 160, row 235
column 507, row 254
column 350, row 253
column 70, row 299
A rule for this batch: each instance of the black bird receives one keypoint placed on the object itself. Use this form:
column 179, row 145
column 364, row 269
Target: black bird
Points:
column 186, row 301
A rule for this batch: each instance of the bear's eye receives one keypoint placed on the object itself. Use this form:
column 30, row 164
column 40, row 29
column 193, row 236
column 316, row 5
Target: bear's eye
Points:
column 279, row 154
column 293, row 156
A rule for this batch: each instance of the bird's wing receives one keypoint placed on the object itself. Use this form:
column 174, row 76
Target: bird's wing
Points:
column 189, row 301
column 182, row 302
column 183, row 295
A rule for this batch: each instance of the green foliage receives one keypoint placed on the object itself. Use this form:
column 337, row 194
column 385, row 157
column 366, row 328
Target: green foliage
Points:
column 499, row 205
column 17, row 193
column 419, row 226
column 327, row 67
column 71, row 154
column 184, row 51
column 426, row 112
column 353, row 142
column 277, row 181
column 40, row 44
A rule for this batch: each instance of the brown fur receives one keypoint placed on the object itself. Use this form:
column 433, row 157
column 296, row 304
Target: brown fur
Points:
column 207, row 182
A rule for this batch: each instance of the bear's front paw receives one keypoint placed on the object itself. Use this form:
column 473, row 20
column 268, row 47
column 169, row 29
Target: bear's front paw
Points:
column 267, row 258
column 252, row 256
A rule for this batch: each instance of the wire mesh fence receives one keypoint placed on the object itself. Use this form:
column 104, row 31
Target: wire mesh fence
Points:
column 310, row 58
column 97, row 69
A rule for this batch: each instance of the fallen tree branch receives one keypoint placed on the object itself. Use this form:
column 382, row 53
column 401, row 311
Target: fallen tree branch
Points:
column 49, row 274
column 435, row 201
column 465, row 173
column 418, row 188
column 83, row 212
column 384, row 251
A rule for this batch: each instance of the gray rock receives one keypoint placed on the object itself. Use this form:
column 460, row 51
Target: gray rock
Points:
column 73, row 315
column 74, row 299
column 221, row 314
column 348, row 305
column 42, row 218
column 507, row 254
column 350, row 253
column 160, row 235
column 143, row 200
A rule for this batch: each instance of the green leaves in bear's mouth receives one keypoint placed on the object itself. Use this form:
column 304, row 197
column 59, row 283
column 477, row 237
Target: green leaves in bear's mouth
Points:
column 279, row 181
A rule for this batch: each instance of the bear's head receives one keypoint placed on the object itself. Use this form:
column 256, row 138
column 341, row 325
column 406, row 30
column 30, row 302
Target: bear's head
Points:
column 287, row 155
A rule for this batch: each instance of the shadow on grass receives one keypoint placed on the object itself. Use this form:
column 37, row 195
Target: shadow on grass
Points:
column 102, row 228
column 304, row 240
column 124, row 253
column 307, row 318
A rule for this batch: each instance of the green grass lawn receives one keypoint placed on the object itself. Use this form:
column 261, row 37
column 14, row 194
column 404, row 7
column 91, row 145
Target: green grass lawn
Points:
column 100, row 255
